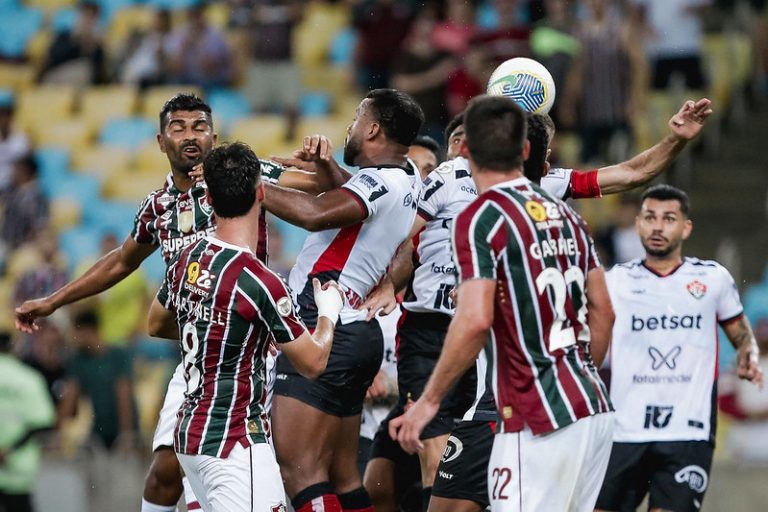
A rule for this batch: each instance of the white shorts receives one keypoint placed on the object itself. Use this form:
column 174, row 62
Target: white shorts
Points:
column 560, row 471
column 174, row 397
column 246, row 481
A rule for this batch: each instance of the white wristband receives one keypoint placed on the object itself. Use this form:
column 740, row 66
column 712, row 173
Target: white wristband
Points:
column 329, row 303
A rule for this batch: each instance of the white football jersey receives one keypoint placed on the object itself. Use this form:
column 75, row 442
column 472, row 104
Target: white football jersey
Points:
column 664, row 349
column 357, row 256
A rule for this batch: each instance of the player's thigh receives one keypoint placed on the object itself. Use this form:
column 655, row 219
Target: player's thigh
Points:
column 627, row 477
column 463, row 471
column 429, row 458
column 682, row 478
column 598, row 440
column 191, row 466
column 379, row 481
column 438, row 504
column 174, row 397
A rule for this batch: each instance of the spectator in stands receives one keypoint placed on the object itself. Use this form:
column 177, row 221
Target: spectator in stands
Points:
column 599, row 87
column 25, row 209
column 105, row 376
column 469, row 81
column 675, row 44
column 456, row 26
column 48, row 275
column 76, row 56
column 511, row 37
column 381, row 27
column 272, row 78
column 26, row 411
column 145, row 57
column 46, row 355
column 14, row 143
column 619, row 242
column 199, row 54
column 422, row 71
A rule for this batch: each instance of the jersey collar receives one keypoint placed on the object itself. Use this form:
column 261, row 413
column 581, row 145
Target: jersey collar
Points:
column 226, row 245
column 657, row 274
column 521, row 181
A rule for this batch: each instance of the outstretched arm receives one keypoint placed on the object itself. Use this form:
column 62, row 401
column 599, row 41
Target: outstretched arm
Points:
column 335, row 209
column 316, row 157
column 111, row 268
column 684, row 127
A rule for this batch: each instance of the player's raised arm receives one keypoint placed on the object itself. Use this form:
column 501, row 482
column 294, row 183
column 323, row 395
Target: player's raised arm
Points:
column 316, row 159
column 109, row 270
column 334, row 209
column 684, row 126
column 600, row 315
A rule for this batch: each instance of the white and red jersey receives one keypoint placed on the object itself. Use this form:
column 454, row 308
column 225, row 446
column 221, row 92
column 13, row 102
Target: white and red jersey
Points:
column 357, row 256
column 664, row 349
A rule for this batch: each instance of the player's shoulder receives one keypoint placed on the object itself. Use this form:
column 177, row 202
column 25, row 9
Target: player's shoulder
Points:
column 627, row 266
column 711, row 267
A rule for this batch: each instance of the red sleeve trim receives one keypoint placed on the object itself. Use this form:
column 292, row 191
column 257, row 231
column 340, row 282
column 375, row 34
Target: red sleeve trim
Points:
column 360, row 201
column 584, row 184
column 729, row 321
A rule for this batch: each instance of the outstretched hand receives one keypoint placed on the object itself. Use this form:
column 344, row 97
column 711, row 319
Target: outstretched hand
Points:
column 748, row 365
column 380, row 300
column 29, row 311
column 690, row 119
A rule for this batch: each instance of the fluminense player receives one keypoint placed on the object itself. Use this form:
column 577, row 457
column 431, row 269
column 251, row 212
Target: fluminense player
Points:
column 528, row 276
column 170, row 218
column 226, row 307
column 664, row 362
column 356, row 230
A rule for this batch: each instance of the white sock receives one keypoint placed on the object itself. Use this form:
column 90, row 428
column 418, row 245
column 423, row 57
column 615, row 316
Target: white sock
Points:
column 189, row 496
column 151, row 507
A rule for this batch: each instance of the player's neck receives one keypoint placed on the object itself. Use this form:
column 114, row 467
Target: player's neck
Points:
column 384, row 155
column 181, row 180
column 664, row 265
column 240, row 231
column 487, row 178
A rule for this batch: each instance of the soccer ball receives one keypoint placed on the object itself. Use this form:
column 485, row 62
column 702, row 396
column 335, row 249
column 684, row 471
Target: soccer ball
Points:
column 525, row 81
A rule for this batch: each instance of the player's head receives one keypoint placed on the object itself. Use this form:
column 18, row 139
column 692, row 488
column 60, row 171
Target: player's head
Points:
column 233, row 175
column 495, row 134
column 186, row 131
column 454, row 136
column 385, row 117
column 425, row 153
column 86, row 324
column 541, row 129
column 664, row 220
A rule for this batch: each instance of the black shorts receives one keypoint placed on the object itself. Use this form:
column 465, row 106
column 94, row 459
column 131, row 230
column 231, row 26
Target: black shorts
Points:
column 353, row 363
column 676, row 473
column 420, row 341
column 463, row 471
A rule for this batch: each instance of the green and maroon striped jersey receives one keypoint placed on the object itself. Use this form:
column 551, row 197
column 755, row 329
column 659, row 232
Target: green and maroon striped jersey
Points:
column 539, row 252
column 228, row 305
column 172, row 219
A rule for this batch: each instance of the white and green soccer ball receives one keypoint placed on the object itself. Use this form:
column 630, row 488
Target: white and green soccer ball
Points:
column 526, row 81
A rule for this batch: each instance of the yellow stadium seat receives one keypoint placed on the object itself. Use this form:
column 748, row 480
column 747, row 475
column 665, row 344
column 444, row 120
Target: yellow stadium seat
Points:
column 650, row 125
column 99, row 104
column 23, row 259
column 65, row 213
column 72, row 133
column 37, row 48
column 150, row 160
column 155, row 97
column 130, row 186
column 101, row 161
column 335, row 128
column 125, row 21
column 41, row 105
column 16, row 76
column 218, row 15
column 336, row 80
column 313, row 36
column 50, row 5
column 6, row 304
column 262, row 133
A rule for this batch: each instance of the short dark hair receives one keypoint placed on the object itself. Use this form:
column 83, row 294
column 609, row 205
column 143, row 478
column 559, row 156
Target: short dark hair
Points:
column 185, row 103
column 495, row 129
column 664, row 192
column 452, row 125
column 398, row 114
column 86, row 319
column 540, row 131
column 232, row 173
column 28, row 162
column 427, row 142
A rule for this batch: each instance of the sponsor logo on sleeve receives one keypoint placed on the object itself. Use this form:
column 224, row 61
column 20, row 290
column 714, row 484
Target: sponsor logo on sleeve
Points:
column 285, row 306
column 368, row 181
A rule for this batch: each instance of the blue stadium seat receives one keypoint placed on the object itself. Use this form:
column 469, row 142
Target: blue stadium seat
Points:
column 112, row 217
column 487, row 16
column 228, row 105
column 127, row 132
column 343, row 47
column 293, row 237
column 172, row 4
column 79, row 244
column 53, row 165
column 110, row 7
column 315, row 103
column 64, row 20
column 18, row 26
column 82, row 188
column 154, row 267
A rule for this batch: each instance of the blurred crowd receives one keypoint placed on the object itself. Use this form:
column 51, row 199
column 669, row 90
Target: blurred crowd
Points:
column 615, row 64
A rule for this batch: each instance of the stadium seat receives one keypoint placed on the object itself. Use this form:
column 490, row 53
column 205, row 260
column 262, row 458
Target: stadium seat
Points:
column 127, row 132
column 334, row 128
column 173, row 5
column 43, row 104
column 218, row 14
column 315, row 34
column 131, row 187
column 101, row 104
column 342, row 47
column 315, row 103
column 52, row 163
column 228, row 106
column 125, row 21
column 18, row 27
column 64, row 19
column 64, row 213
column 71, row 133
column 110, row 7
column 150, row 160
column 79, row 244
column 23, row 259
column 101, row 161
column 37, row 48
column 51, row 5
column 155, row 97
column 112, row 217
column 82, row 188
column 16, row 76
column 262, row 133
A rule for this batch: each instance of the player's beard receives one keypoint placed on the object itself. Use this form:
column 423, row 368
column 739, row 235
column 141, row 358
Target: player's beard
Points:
column 351, row 151
column 663, row 252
